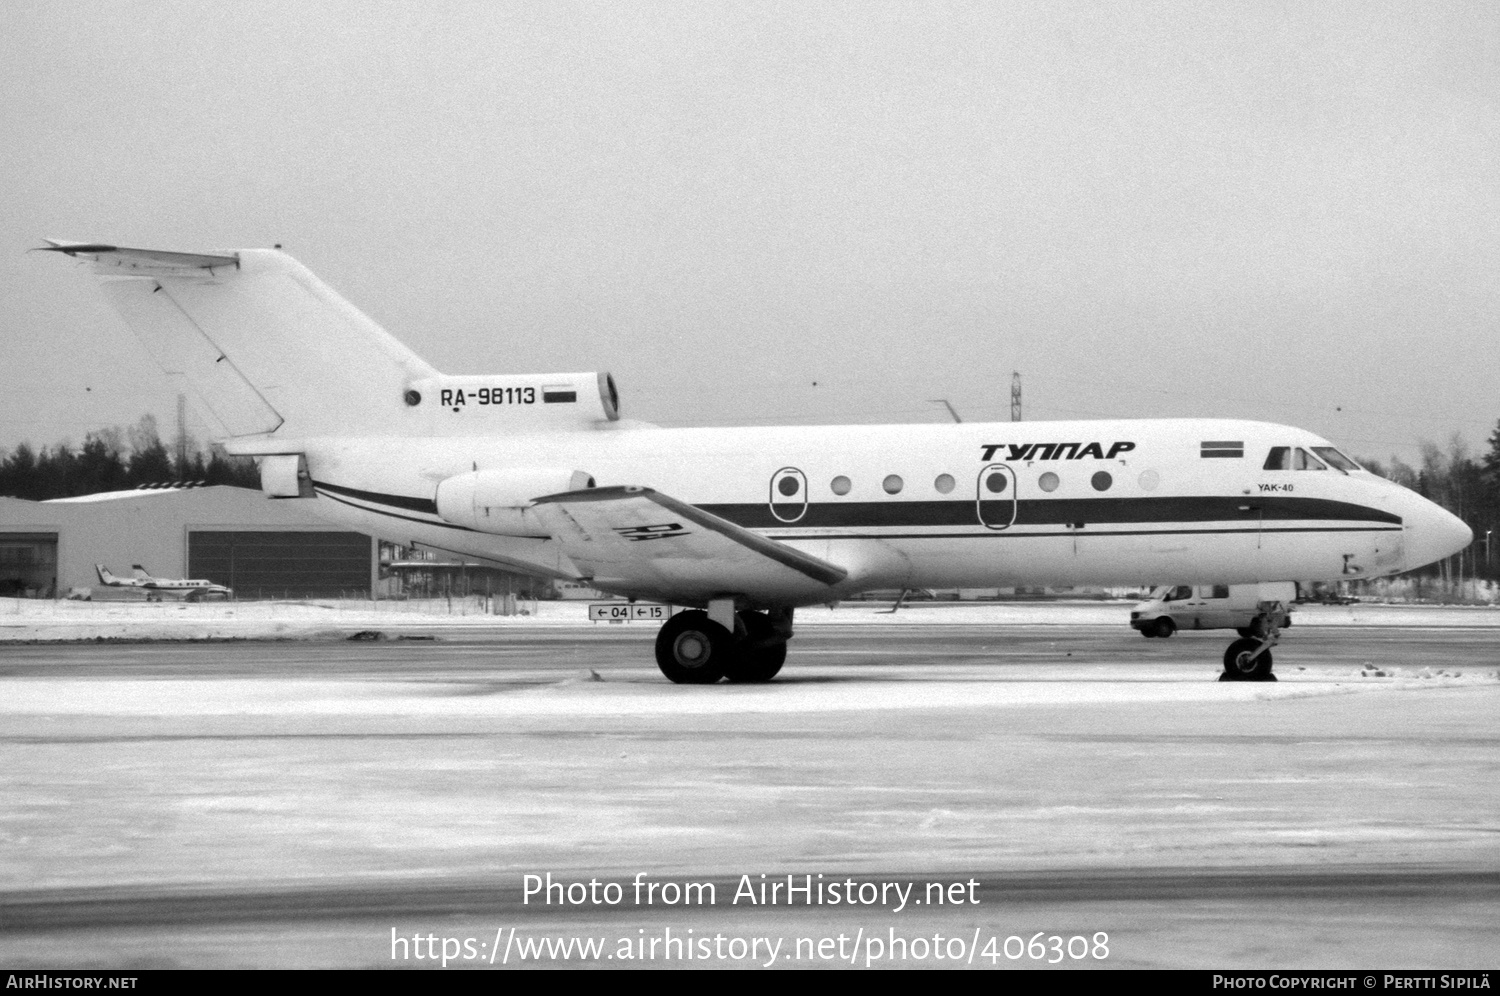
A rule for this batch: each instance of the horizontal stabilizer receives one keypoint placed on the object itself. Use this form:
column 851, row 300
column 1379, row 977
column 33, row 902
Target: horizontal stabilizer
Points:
column 127, row 258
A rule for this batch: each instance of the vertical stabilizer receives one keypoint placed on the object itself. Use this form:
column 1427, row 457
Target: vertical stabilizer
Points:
column 265, row 345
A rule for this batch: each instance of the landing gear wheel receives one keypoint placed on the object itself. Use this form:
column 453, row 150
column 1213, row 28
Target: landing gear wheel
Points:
column 762, row 653
column 1239, row 667
column 1163, row 628
column 692, row 649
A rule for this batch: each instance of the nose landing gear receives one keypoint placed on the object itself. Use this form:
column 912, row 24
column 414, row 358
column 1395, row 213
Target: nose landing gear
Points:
column 1249, row 658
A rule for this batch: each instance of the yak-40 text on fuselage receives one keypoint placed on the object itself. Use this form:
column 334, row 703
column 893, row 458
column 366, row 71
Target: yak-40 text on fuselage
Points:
column 538, row 473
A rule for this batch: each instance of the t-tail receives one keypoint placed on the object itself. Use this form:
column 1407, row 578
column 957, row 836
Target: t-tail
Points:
column 276, row 356
column 104, row 575
column 140, row 573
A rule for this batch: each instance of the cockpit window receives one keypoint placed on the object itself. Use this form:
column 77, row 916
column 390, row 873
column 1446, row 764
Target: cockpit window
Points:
column 1303, row 460
column 1336, row 458
column 1296, row 458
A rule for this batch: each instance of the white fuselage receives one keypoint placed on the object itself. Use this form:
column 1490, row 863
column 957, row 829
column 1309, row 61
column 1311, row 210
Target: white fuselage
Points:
column 1089, row 502
column 183, row 586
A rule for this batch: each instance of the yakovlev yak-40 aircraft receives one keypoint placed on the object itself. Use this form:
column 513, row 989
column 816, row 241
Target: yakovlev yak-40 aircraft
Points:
column 538, row 473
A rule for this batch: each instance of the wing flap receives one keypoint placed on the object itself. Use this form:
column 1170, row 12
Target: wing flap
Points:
column 638, row 539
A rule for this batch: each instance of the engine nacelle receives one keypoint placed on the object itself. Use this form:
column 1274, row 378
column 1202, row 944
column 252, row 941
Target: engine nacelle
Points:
column 495, row 501
column 451, row 404
column 284, row 475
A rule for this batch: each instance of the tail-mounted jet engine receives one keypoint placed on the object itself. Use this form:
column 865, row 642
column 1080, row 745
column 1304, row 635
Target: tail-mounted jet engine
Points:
column 447, row 404
column 496, row 501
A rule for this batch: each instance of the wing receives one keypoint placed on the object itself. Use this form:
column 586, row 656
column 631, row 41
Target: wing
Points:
column 642, row 542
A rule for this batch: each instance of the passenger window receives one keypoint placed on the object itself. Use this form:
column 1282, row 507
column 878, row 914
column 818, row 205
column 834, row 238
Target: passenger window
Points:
column 1219, row 591
column 1304, row 460
column 944, row 483
column 840, row 485
column 1280, row 458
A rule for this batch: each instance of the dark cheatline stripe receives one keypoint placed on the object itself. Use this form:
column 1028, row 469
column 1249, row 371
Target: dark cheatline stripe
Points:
column 392, row 515
column 1259, row 510
column 395, row 501
column 1100, row 533
column 1056, row 512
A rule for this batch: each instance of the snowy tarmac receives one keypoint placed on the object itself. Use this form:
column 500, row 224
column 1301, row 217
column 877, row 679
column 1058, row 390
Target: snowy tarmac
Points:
column 29, row 620
column 293, row 803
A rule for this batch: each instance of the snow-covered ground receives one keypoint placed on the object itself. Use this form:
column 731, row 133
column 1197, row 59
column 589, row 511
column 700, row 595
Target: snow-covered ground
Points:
column 25, row 619
column 186, row 789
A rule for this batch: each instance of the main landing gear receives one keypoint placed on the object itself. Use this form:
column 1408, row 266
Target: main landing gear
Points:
column 698, row 648
column 1249, row 658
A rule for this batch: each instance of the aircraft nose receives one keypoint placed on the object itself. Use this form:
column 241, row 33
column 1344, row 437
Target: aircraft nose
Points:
column 1434, row 533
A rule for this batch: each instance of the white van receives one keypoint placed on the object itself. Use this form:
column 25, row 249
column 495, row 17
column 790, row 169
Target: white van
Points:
column 1207, row 606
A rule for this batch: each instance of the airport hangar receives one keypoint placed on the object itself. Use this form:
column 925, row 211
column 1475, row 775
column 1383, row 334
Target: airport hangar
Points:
column 231, row 536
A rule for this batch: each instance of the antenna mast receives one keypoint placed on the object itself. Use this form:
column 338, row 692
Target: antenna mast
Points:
column 1015, row 395
column 181, row 433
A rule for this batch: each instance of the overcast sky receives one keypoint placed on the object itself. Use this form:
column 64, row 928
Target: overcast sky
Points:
column 804, row 212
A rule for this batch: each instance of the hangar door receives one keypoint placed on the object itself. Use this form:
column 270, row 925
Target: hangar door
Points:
column 28, row 565
column 282, row 564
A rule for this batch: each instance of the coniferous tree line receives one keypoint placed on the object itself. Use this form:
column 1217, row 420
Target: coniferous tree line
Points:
column 116, row 459
column 1466, row 485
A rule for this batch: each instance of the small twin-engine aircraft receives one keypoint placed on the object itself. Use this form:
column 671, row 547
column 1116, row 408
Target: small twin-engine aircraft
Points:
column 538, row 473
column 185, row 588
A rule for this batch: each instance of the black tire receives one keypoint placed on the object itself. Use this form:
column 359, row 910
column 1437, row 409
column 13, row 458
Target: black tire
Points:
column 1148, row 631
column 1238, row 666
column 762, row 653
column 1245, row 631
column 692, row 649
column 1163, row 628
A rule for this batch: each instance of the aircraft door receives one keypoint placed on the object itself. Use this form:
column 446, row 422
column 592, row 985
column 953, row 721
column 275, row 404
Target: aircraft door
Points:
column 788, row 494
column 996, row 500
